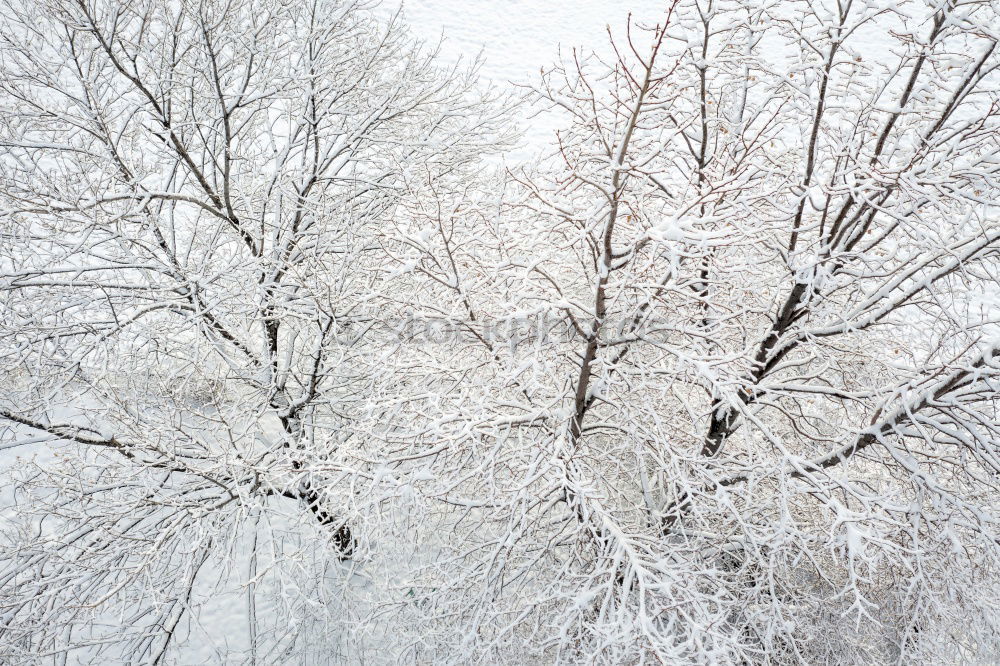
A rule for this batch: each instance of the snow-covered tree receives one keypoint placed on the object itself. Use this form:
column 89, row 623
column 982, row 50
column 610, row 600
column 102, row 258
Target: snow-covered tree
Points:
column 754, row 414
column 193, row 195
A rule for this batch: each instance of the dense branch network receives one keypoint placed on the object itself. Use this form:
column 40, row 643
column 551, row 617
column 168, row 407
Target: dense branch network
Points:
column 713, row 379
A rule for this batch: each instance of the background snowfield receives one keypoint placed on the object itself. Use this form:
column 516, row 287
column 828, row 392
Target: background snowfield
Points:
column 517, row 38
